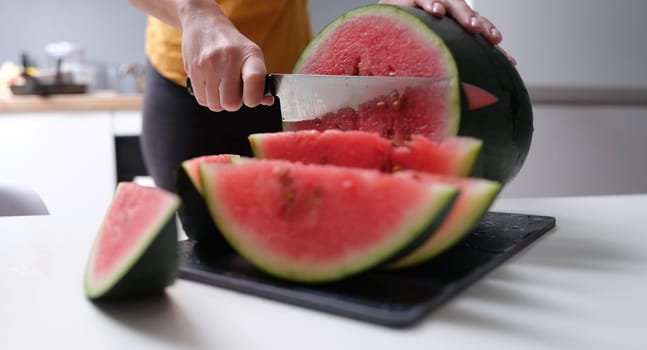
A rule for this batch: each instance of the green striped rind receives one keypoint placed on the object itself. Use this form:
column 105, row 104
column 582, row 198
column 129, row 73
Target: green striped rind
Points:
column 193, row 213
column 471, row 154
column 255, row 141
column 148, row 268
column 478, row 200
column 421, row 223
column 401, row 15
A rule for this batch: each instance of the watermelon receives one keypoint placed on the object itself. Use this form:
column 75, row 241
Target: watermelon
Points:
column 135, row 250
column 405, row 41
column 452, row 156
column 349, row 148
column 194, row 215
column 474, row 198
column 319, row 223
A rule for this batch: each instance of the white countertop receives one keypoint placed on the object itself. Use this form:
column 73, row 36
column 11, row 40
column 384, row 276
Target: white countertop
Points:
column 582, row 286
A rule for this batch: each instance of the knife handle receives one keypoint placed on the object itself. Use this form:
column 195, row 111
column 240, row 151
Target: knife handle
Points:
column 189, row 87
column 270, row 85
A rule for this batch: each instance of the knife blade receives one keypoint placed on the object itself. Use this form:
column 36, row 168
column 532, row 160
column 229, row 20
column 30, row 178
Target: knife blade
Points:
column 307, row 97
column 310, row 96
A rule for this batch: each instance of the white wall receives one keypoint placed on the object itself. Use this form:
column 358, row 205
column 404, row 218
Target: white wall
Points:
column 574, row 42
column 579, row 149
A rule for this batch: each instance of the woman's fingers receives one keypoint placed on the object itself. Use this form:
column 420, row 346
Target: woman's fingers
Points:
column 253, row 78
column 230, row 87
column 212, row 92
column 489, row 31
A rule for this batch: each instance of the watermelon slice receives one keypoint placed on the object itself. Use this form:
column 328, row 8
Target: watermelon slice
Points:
column 474, row 199
column 452, row 156
column 318, row 223
column 135, row 251
column 350, row 148
column 194, row 215
column 405, row 41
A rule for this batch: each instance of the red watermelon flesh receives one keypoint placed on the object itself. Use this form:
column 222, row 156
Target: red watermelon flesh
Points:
column 346, row 148
column 194, row 214
column 317, row 223
column 452, row 156
column 192, row 166
column 134, row 239
column 474, row 198
column 354, row 45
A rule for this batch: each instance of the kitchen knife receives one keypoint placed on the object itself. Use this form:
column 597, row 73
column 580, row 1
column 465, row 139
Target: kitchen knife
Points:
column 310, row 96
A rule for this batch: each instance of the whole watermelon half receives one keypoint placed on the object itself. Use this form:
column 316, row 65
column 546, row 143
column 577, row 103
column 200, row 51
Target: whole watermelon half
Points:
column 403, row 41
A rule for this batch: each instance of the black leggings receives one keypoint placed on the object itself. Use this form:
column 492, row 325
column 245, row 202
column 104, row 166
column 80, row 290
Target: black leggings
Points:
column 176, row 128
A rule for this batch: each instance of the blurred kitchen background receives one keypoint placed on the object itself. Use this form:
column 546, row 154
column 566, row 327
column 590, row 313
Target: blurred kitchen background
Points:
column 582, row 60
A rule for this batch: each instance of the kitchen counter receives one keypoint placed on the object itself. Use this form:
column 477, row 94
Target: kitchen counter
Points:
column 582, row 286
column 74, row 102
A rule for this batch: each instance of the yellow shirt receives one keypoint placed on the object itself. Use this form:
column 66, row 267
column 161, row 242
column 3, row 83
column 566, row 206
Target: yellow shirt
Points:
column 280, row 27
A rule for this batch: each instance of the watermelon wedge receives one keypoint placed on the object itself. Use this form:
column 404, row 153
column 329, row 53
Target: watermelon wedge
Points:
column 318, row 223
column 346, row 148
column 135, row 251
column 194, row 215
column 474, row 198
column 452, row 156
column 405, row 41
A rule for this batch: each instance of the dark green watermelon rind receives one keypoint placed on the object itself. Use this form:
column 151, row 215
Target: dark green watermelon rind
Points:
column 419, row 26
column 194, row 215
column 148, row 269
column 413, row 232
column 506, row 127
column 480, row 200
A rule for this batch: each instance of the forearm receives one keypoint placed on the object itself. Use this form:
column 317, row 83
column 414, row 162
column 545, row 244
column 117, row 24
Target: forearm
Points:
column 178, row 12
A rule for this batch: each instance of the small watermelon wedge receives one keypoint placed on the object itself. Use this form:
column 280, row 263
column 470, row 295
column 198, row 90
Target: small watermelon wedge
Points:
column 318, row 223
column 135, row 250
column 474, row 198
column 194, row 215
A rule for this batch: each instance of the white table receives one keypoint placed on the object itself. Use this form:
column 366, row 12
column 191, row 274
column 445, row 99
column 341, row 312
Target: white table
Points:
column 583, row 286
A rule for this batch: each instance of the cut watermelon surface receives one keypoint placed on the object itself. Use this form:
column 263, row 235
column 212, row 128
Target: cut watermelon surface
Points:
column 135, row 251
column 191, row 167
column 385, row 41
column 452, row 156
column 317, row 223
column 349, row 148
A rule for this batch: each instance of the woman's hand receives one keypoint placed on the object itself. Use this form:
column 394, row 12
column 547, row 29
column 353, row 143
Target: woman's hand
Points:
column 226, row 69
column 462, row 12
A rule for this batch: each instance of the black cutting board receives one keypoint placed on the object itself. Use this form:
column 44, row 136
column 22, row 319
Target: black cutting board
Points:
column 390, row 298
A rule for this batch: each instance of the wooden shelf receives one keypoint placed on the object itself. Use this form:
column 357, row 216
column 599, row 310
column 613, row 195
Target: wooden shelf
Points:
column 73, row 102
